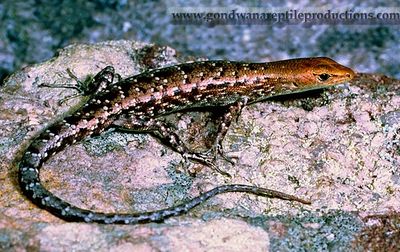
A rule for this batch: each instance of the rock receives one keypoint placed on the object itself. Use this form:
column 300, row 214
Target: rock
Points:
column 338, row 147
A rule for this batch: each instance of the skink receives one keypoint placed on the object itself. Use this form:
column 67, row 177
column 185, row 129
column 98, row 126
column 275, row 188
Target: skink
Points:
column 135, row 103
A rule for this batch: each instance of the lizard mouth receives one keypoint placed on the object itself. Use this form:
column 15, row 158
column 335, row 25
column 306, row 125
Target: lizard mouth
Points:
column 344, row 78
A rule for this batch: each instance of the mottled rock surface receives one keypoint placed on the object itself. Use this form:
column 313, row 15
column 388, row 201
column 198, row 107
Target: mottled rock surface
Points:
column 339, row 148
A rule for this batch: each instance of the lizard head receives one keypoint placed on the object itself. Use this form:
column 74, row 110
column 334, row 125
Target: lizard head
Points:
column 312, row 73
column 327, row 72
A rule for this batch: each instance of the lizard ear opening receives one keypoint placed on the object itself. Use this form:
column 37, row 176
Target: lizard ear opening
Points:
column 323, row 77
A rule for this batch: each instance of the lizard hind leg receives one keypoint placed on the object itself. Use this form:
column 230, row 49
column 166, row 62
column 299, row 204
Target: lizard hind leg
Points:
column 163, row 132
column 228, row 114
column 90, row 86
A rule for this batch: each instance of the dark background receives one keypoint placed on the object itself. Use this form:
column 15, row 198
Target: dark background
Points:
column 31, row 31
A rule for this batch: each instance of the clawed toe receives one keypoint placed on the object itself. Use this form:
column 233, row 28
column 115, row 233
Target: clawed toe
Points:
column 207, row 158
column 221, row 153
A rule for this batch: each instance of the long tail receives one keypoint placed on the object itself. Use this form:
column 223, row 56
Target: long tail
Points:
column 47, row 144
column 60, row 135
column 33, row 189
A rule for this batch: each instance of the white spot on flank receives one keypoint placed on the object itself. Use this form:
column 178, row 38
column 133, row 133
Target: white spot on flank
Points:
column 202, row 87
column 185, row 76
column 157, row 95
column 165, row 81
column 157, row 78
column 137, row 89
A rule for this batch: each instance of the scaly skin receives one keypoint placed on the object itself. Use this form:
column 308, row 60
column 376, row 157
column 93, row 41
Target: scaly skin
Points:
column 161, row 91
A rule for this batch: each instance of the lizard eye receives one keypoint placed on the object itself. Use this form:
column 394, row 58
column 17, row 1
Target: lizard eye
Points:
column 323, row 77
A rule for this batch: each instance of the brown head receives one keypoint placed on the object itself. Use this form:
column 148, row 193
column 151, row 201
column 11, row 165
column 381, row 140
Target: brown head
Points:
column 310, row 73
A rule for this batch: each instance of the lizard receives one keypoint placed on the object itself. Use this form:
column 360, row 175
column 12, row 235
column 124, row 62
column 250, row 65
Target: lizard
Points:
column 136, row 103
